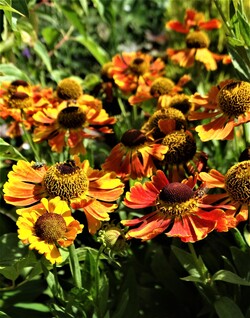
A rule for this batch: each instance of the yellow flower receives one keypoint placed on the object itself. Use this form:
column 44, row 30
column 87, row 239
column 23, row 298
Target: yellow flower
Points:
column 48, row 227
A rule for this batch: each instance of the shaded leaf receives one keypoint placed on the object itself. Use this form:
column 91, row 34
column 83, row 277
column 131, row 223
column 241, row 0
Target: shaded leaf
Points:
column 9, row 152
column 226, row 308
column 21, row 6
column 188, row 262
column 230, row 277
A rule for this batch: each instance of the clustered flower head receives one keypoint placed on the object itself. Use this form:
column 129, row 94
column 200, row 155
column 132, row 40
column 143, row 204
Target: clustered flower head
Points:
column 156, row 167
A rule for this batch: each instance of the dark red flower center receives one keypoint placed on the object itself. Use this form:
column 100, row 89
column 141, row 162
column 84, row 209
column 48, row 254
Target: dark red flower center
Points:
column 176, row 192
column 19, row 83
column 133, row 138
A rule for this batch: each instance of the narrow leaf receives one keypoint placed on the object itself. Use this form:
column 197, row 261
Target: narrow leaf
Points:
column 9, row 152
column 230, row 277
column 42, row 52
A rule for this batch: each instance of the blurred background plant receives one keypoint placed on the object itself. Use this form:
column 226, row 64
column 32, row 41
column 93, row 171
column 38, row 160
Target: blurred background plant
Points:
column 45, row 41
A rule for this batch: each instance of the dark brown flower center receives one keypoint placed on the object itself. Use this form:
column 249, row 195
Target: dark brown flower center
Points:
column 66, row 180
column 234, row 98
column 69, row 89
column 181, row 102
column 20, row 100
column 133, row 138
column 176, row 192
column 71, row 117
column 152, row 125
column 181, row 147
column 237, row 182
column 245, row 155
column 161, row 86
column 138, row 66
column 197, row 40
column 50, row 227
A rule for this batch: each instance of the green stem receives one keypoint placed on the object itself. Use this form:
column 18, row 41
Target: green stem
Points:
column 75, row 266
column 123, row 111
column 218, row 5
column 197, row 263
column 31, row 143
column 246, row 129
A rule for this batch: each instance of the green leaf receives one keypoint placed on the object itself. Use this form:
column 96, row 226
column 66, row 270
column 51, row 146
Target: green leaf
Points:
column 73, row 18
column 50, row 35
column 100, row 7
column 42, row 52
column 4, row 5
column 240, row 60
column 14, row 256
column 244, row 27
column 246, row 234
column 192, row 279
column 226, row 308
column 241, row 261
column 3, row 315
column 34, row 306
column 84, row 4
column 99, row 53
column 230, row 277
column 9, row 72
column 21, row 6
column 9, row 152
column 188, row 262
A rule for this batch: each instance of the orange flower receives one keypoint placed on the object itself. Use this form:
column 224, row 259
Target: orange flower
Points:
column 197, row 43
column 134, row 156
column 228, row 103
column 129, row 68
column 236, row 186
column 160, row 90
column 93, row 191
column 18, row 102
column 69, row 125
column 48, row 227
column 193, row 20
column 179, row 210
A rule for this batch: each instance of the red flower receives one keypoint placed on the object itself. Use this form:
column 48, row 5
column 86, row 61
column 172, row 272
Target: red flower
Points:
column 193, row 20
column 179, row 210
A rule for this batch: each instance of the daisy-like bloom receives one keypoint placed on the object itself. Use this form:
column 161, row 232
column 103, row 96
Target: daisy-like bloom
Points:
column 164, row 121
column 160, row 90
column 69, row 125
column 179, row 210
column 182, row 157
column 129, row 68
column 48, row 227
column 197, row 43
column 91, row 190
column 19, row 101
column 134, row 156
column 15, row 99
column 228, row 104
column 193, row 20
column 236, row 186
